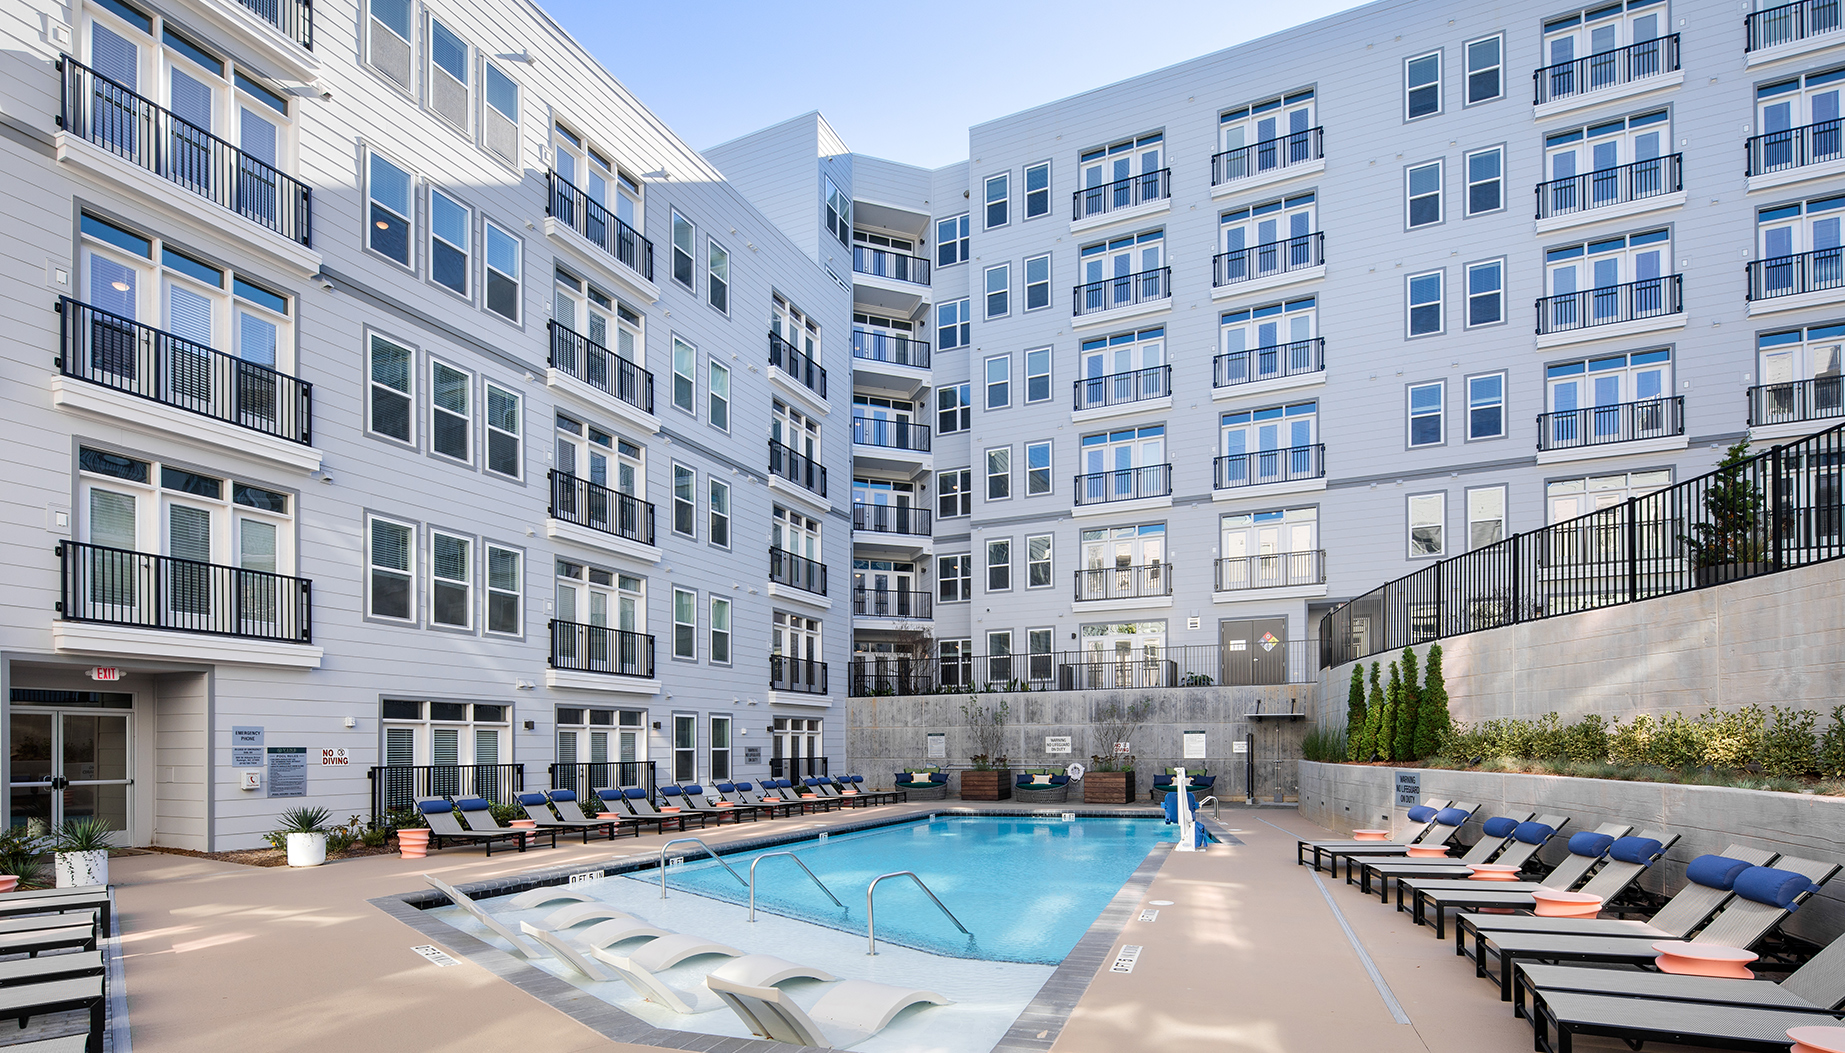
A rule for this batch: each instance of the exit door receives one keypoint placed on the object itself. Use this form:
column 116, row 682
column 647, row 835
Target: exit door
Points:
column 1254, row 651
column 69, row 765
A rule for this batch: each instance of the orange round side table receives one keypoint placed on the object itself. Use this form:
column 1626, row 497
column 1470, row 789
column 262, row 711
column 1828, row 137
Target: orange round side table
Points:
column 1817, row 1039
column 1703, row 959
column 1493, row 871
column 1428, row 851
column 1553, row 903
column 1370, row 835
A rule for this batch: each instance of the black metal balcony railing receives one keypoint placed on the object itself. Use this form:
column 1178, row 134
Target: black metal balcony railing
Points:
column 1621, row 422
column 295, row 18
column 790, row 360
column 1144, row 666
column 1124, row 484
column 1791, row 22
column 1119, row 389
column 577, row 500
column 599, row 649
column 1268, row 259
column 1604, row 69
column 892, row 519
column 1646, row 298
column 1803, row 272
column 1121, row 194
column 584, row 778
column 801, row 675
column 111, row 351
column 1276, row 570
column 119, row 587
column 116, row 119
column 576, row 355
column 1610, row 186
column 600, row 227
column 1124, row 583
column 891, row 434
column 798, row 572
column 1261, row 467
column 397, row 787
column 1125, row 291
column 1822, row 398
column 1269, row 155
column 797, row 468
column 897, row 349
column 1809, row 144
column 1269, row 363
column 886, row 263
column 893, row 603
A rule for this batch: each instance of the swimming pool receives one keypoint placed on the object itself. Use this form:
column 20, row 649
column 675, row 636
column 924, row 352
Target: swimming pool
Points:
column 1027, row 888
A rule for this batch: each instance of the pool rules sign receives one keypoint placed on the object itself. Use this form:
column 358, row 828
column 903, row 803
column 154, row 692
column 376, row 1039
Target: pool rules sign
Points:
column 1409, row 789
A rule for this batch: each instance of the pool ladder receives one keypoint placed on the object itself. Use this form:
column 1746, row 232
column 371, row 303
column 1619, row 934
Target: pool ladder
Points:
column 797, row 862
column 709, row 852
column 871, row 924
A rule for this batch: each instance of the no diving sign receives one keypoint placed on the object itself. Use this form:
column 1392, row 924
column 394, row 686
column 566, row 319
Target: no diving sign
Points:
column 1409, row 789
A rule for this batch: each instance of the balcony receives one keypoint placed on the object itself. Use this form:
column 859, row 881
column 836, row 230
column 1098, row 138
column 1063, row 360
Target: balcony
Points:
column 1791, row 29
column 886, row 263
column 1794, row 402
column 1642, row 306
column 1269, row 161
column 590, row 371
column 1121, row 200
column 890, row 434
column 1795, row 155
column 808, row 377
column 795, row 572
column 130, row 371
column 787, row 465
column 1135, row 391
column 1273, row 368
column 1130, row 295
column 594, row 515
column 1805, row 279
column 606, row 659
column 1649, row 65
column 1301, row 571
column 888, row 282
column 293, row 18
column 1288, row 470
column 801, row 676
column 1102, row 491
column 899, row 521
column 1611, row 193
column 1268, row 265
column 1659, row 423
column 892, row 361
column 897, row 605
column 578, row 222
column 1125, row 587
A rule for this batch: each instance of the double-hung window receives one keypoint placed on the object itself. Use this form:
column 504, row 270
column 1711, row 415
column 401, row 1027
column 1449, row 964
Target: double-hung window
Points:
column 499, row 131
column 393, row 374
column 1037, row 468
column 999, row 565
column 998, row 200
column 450, row 411
column 954, row 493
column 1424, row 303
column 719, row 383
column 1038, row 561
column 450, row 223
column 503, row 253
column 685, row 249
column 685, row 623
column 505, row 590
column 720, row 514
column 449, row 61
column 1485, row 181
column 391, row 556
column 1485, row 293
column 838, row 212
column 1425, row 414
column 1486, row 406
column 999, row 473
column 717, row 275
column 954, row 408
column 1422, row 86
column 1038, row 282
column 720, row 654
column 1485, row 81
column 955, row 575
column 1038, row 190
column 389, row 224
column 1428, row 515
column 951, row 241
column 954, row 324
column 685, row 369
column 388, row 40
column 1485, row 516
column 503, row 413
column 1038, row 375
column 999, row 381
column 998, row 287
column 451, row 580
column 1423, row 186
column 685, row 510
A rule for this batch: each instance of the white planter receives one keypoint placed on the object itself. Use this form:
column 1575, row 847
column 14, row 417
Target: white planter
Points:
column 307, row 850
column 82, row 868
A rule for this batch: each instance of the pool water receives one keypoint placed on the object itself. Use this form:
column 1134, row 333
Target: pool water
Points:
column 1026, row 888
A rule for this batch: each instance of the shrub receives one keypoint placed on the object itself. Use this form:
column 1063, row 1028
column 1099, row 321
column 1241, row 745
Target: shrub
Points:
column 1832, row 746
column 1374, row 717
column 1789, row 749
column 1323, row 744
column 1393, row 705
column 1403, row 746
column 1355, row 713
column 1586, row 740
column 1432, row 717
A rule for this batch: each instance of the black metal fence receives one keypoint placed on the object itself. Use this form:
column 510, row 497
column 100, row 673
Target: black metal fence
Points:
column 577, row 356
column 600, row 227
column 1269, row 363
column 148, row 136
column 800, row 675
column 295, row 18
column 890, row 434
column 1819, row 399
column 1243, row 662
column 893, row 603
column 1119, row 389
column 797, row 767
column 1791, row 22
column 799, row 572
column 1125, row 291
column 1124, row 583
column 1262, row 467
column 599, row 649
column 577, row 500
column 1608, row 304
column 790, row 360
column 897, row 349
column 397, row 787
column 585, row 778
column 1121, row 194
column 1779, row 509
column 1621, row 422
column 884, row 263
column 1275, row 570
column 1268, row 259
column 1817, row 271
column 1611, row 186
column 1269, row 155
column 1124, row 484
column 892, row 519
column 1791, row 148
column 797, row 468
column 1605, row 69
column 119, row 587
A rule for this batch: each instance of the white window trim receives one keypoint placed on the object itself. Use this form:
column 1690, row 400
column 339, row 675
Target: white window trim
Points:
column 492, row 429
column 1467, row 394
column 1050, row 469
column 1049, row 560
column 1468, row 182
column 713, row 514
column 1410, row 196
column 468, row 459
column 987, row 385
column 1050, row 371
column 987, row 292
column 672, row 246
column 467, row 253
column 730, row 638
column 989, row 475
column 713, row 248
column 1409, row 525
column 1050, row 204
column 1467, row 71
column 986, row 202
column 712, row 368
column 673, row 499
column 1504, row 512
column 1440, row 86
column 672, row 396
column 673, row 647
column 489, row 591
column 1409, row 306
column 411, row 396
column 1026, row 307
column 1410, row 415
column 488, row 270
column 410, row 573
column 370, row 200
column 991, row 566
column 473, row 548
column 1467, row 321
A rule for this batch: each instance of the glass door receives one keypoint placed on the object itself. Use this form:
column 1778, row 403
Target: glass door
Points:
column 69, row 765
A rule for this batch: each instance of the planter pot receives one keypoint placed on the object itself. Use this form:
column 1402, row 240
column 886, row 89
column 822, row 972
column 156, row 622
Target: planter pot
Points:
column 307, row 850
column 1722, row 572
column 523, row 824
column 413, row 844
column 1108, row 787
column 76, row 869
column 991, row 784
column 9, row 882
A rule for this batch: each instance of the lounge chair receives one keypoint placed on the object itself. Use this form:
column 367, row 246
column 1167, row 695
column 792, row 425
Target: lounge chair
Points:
column 766, row 970
column 1566, row 1014
column 538, row 897
column 24, row 1001
column 856, row 784
column 638, row 969
column 538, row 809
column 50, row 967
column 520, row 948
column 477, row 815
column 58, row 936
column 695, row 799
column 1422, row 821
column 826, row 790
column 1447, row 823
column 744, row 793
column 635, row 800
column 784, row 790
column 61, row 1044
column 443, row 826
column 1627, row 859
column 559, row 948
column 620, row 930
column 675, row 947
column 59, row 900
column 1495, row 836
column 846, row 1015
column 565, row 801
column 574, row 914
column 1586, row 849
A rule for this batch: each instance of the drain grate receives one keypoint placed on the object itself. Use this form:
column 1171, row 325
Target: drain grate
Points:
column 1125, row 958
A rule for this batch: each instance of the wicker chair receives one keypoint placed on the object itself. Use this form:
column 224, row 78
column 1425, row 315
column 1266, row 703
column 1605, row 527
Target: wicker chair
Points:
column 1028, row 790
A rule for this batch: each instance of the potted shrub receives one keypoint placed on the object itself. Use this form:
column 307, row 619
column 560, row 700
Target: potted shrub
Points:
column 1731, row 542
column 412, row 833
column 1110, row 779
column 305, row 830
column 81, row 848
column 990, row 780
column 19, row 856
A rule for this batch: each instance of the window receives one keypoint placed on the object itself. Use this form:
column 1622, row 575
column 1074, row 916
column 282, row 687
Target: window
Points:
column 1037, row 468
column 388, row 40
column 720, row 514
column 1422, row 86
column 955, row 493
column 719, row 395
column 1486, row 407
column 388, row 410
column 451, row 579
column 448, row 75
column 685, row 623
column 1038, row 561
column 999, row 565
column 391, row 554
column 685, row 509
column 449, row 225
column 999, row 473
column 1038, row 649
column 720, row 631
column 717, row 272
column 1427, row 514
column 684, row 370
column 1569, row 498
column 1424, row 188
column 1803, row 226
column 955, row 574
column 1485, row 183
column 998, row 189
column 1483, row 69
column 685, row 244
column 1582, row 281
column 1793, row 361
column 449, row 415
column 999, row 657
column 1485, row 516
column 685, row 748
column 1425, row 314
column 838, row 213
column 1598, row 31
column 954, row 408
column 1268, row 544
column 954, row 324
column 1425, row 417
column 1580, row 164
column 505, row 595
column 1038, row 282
column 1809, row 103
column 951, row 242
column 503, row 252
column 1038, row 375
column 1279, row 126
column 999, row 382
column 503, row 432
column 1038, row 190
column 1577, row 394
column 1485, row 293
column 999, row 290
column 388, row 188
column 499, row 131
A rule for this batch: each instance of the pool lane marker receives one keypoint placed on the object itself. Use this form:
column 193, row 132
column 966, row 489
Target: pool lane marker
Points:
column 1125, row 958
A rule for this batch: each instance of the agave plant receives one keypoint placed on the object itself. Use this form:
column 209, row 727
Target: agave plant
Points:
column 88, row 834
column 305, row 820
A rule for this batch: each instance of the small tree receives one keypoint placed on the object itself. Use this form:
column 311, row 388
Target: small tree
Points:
column 1374, row 717
column 1393, row 709
column 1732, row 530
column 1433, row 720
column 1114, row 723
column 986, row 731
column 1404, row 746
column 1355, row 714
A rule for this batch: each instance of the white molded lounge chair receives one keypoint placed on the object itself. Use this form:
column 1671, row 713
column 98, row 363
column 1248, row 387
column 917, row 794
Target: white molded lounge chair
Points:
column 649, row 986
column 564, row 952
column 673, row 948
column 616, row 930
column 766, row 970
column 575, row 914
column 538, row 897
column 494, row 925
column 847, row 1014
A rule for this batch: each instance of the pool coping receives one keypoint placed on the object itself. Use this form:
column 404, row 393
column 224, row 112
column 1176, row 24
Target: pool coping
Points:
column 1037, row 1026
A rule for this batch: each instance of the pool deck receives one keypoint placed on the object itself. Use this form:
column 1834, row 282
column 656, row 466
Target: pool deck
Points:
column 1250, row 956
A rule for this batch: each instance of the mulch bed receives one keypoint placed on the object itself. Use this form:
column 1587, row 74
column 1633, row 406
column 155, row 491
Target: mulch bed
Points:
column 267, row 857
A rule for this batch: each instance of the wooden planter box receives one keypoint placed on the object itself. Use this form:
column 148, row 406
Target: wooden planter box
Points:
column 1108, row 787
column 994, row 784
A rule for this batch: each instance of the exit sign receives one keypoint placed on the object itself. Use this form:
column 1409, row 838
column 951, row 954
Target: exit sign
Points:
column 105, row 672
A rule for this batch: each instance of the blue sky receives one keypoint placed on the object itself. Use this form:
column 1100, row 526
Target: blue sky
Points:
column 896, row 85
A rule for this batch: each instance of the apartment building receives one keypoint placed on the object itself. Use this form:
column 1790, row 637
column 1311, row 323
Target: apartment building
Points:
column 397, row 408
column 1210, row 349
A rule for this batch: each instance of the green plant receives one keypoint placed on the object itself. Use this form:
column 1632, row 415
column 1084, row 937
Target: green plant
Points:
column 1355, row 713
column 374, row 837
column 340, row 838
column 1323, row 744
column 1374, row 718
column 406, row 819
column 20, row 852
column 88, row 834
column 1734, row 531
column 505, row 813
column 1393, row 707
column 986, row 726
column 1432, row 717
column 1117, row 723
column 1196, row 680
column 1832, row 746
column 308, row 819
column 1404, row 745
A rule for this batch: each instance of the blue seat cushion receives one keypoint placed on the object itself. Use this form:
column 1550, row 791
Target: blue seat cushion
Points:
column 939, row 777
column 1203, row 782
column 1639, row 850
column 695, row 788
column 855, row 778
column 1500, row 826
column 634, row 793
column 1452, row 816
column 473, row 804
column 1777, row 888
column 726, row 787
column 533, row 798
column 1059, row 780
column 746, row 787
column 1534, row 833
column 434, row 807
column 669, row 791
column 563, row 795
column 1421, row 813
column 1589, row 843
column 1718, row 872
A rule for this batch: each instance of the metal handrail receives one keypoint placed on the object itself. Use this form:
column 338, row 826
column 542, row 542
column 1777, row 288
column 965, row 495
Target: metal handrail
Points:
column 871, row 925
column 803, row 866
column 708, row 851
column 1212, row 801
